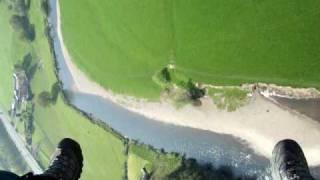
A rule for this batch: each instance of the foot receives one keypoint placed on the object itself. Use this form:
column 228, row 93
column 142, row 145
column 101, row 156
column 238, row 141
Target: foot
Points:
column 288, row 162
column 67, row 161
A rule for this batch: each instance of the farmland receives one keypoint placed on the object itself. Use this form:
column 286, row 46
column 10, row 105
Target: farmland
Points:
column 55, row 122
column 104, row 151
column 122, row 44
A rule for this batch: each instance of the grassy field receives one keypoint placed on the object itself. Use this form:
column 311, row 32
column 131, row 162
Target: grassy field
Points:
column 122, row 44
column 10, row 158
column 156, row 164
column 103, row 152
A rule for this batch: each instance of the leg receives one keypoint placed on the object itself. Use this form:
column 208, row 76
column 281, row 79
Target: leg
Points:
column 288, row 162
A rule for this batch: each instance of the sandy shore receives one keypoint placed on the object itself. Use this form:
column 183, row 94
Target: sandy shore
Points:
column 261, row 123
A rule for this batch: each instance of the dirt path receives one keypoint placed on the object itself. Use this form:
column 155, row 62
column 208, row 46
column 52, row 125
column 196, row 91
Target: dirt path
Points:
column 261, row 123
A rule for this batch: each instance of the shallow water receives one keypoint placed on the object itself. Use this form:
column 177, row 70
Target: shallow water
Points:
column 308, row 107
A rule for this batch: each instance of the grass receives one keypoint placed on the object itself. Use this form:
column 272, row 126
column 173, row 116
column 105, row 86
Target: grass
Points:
column 119, row 53
column 228, row 98
column 103, row 152
column 10, row 158
column 135, row 164
column 158, row 164
column 122, row 44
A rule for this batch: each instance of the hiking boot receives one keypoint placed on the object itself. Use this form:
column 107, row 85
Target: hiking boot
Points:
column 288, row 162
column 67, row 162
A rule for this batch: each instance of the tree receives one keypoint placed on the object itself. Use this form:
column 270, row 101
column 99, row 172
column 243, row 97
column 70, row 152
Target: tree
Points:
column 29, row 67
column 45, row 7
column 194, row 92
column 166, row 74
column 31, row 71
column 22, row 25
column 27, row 119
column 55, row 89
column 44, row 98
column 21, row 7
column 26, row 62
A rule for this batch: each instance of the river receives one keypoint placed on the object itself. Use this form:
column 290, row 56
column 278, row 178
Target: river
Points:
column 308, row 107
column 207, row 147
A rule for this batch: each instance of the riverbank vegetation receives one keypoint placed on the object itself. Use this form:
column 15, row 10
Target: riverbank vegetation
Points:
column 212, row 42
column 182, row 90
column 229, row 98
column 176, row 87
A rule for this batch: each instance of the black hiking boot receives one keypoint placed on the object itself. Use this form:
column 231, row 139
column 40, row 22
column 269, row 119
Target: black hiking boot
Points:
column 66, row 164
column 288, row 162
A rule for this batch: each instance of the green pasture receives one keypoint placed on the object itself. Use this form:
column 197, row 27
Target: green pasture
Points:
column 158, row 165
column 103, row 152
column 122, row 44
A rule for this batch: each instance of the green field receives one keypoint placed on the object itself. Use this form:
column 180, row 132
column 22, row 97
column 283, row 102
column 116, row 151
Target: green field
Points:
column 122, row 44
column 156, row 164
column 103, row 152
column 10, row 158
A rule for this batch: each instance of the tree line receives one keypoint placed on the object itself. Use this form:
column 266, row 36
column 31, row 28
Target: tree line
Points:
column 20, row 20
